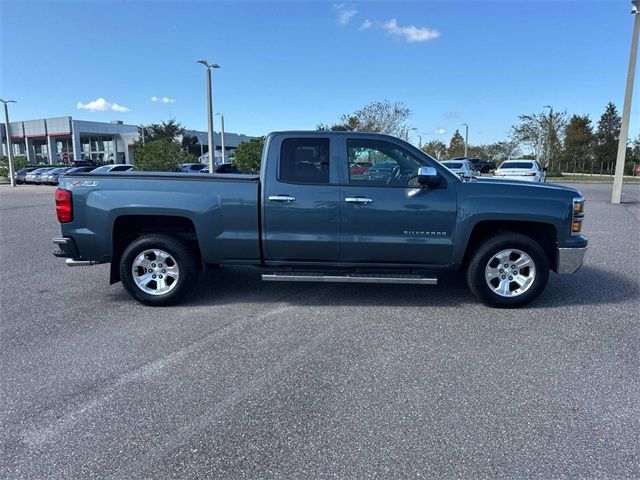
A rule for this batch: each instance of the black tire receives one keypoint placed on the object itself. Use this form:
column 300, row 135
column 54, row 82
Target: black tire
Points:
column 475, row 274
column 181, row 254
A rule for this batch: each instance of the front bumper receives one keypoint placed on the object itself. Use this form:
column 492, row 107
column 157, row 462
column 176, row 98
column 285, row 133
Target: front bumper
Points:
column 570, row 259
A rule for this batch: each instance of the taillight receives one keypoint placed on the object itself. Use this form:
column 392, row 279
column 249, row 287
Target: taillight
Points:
column 64, row 209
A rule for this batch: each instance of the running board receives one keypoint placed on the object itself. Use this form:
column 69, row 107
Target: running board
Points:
column 348, row 278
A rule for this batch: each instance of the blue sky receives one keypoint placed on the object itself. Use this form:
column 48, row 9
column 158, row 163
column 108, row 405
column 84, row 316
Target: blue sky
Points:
column 291, row 65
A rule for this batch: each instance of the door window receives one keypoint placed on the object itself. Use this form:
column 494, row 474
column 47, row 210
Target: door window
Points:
column 387, row 165
column 304, row 161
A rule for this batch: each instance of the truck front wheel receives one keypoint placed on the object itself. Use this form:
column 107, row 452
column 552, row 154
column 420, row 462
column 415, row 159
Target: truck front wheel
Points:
column 158, row 269
column 508, row 270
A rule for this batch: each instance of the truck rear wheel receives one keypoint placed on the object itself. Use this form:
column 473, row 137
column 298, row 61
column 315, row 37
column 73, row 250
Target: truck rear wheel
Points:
column 508, row 270
column 158, row 269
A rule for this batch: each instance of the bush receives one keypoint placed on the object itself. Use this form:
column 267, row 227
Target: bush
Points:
column 247, row 156
column 18, row 162
column 160, row 156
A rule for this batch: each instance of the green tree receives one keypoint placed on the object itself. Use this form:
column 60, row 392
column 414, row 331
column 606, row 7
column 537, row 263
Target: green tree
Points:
column 19, row 162
column 633, row 156
column 435, row 148
column 170, row 130
column 606, row 138
column 578, row 142
column 160, row 156
column 247, row 156
column 456, row 145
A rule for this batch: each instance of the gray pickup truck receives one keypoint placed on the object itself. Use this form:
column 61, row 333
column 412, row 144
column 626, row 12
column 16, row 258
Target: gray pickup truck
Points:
column 326, row 207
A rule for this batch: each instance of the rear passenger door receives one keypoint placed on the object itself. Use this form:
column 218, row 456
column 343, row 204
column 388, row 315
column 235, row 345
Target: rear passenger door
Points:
column 301, row 199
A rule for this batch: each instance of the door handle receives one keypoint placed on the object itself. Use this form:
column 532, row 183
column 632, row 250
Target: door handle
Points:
column 281, row 198
column 360, row 200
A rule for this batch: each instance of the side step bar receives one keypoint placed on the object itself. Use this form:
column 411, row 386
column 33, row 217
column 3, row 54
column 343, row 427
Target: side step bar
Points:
column 348, row 278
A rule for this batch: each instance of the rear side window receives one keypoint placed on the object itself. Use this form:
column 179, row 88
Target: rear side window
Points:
column 304, row 160
column 120, row 169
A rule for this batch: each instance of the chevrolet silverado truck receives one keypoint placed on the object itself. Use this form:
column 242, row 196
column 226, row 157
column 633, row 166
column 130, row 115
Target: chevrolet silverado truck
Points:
column 308, row 217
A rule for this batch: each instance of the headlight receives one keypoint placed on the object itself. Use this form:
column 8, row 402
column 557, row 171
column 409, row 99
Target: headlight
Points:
column 577, row 215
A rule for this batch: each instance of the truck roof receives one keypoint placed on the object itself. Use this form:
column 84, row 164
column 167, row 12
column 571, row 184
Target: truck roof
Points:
column 350, row 133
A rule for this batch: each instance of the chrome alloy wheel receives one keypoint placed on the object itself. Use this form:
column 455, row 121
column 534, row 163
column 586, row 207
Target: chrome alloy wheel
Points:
column 510, row 273
column 155, row 272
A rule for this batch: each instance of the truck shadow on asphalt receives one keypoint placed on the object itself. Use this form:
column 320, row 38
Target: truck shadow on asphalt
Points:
column 228, row 285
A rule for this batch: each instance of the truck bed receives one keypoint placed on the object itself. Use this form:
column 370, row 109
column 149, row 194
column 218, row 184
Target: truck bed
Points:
column 223, row 209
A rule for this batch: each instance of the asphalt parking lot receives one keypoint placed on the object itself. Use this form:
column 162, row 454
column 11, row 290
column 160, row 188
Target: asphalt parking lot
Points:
column 270, row 380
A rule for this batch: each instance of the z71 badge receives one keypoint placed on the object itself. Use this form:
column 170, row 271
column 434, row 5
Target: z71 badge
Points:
column 84, row 183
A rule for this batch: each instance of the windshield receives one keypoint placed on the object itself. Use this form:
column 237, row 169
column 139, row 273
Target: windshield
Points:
column 104, row 168
column 452, row 165
column 525, row 165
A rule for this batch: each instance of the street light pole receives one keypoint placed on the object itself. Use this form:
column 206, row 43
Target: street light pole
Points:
column 222, row 134
column 466, row 139
column 616, row 194
column 212, row 144
column 548, row 152
column 7, row 128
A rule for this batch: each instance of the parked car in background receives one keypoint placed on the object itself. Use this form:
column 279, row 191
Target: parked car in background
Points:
column 222, row 168
column 359, row 168
column 189, row 167
column 20, row 175
column 35, row 176
column 464, row 168
column 83, row 163
column 526, row 170
column 483, row 166
column 73, row 170
column 380, row 171
column 116, row 167
column 51, row 177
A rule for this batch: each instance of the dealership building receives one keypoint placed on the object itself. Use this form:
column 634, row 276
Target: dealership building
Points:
column 64, row 139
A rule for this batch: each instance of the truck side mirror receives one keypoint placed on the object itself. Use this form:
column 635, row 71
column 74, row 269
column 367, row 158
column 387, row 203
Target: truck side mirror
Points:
column 428, row 176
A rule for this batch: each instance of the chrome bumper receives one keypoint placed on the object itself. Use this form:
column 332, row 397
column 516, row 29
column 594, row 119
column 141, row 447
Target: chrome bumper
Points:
column 570, row 259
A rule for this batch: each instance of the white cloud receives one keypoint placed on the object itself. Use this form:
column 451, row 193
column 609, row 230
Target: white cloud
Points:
column 118, row 108
column 101, row 105
column 345, row 14
column 365, row 25
column 440, row 131
column 410, row 33
column 162, row 99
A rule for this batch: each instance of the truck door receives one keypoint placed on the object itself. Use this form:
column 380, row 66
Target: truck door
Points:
column 387, row 217
column 301, row 199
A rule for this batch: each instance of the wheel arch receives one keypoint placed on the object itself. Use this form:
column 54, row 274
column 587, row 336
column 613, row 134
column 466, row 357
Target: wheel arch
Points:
column 545, row 234
column 127, row 228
